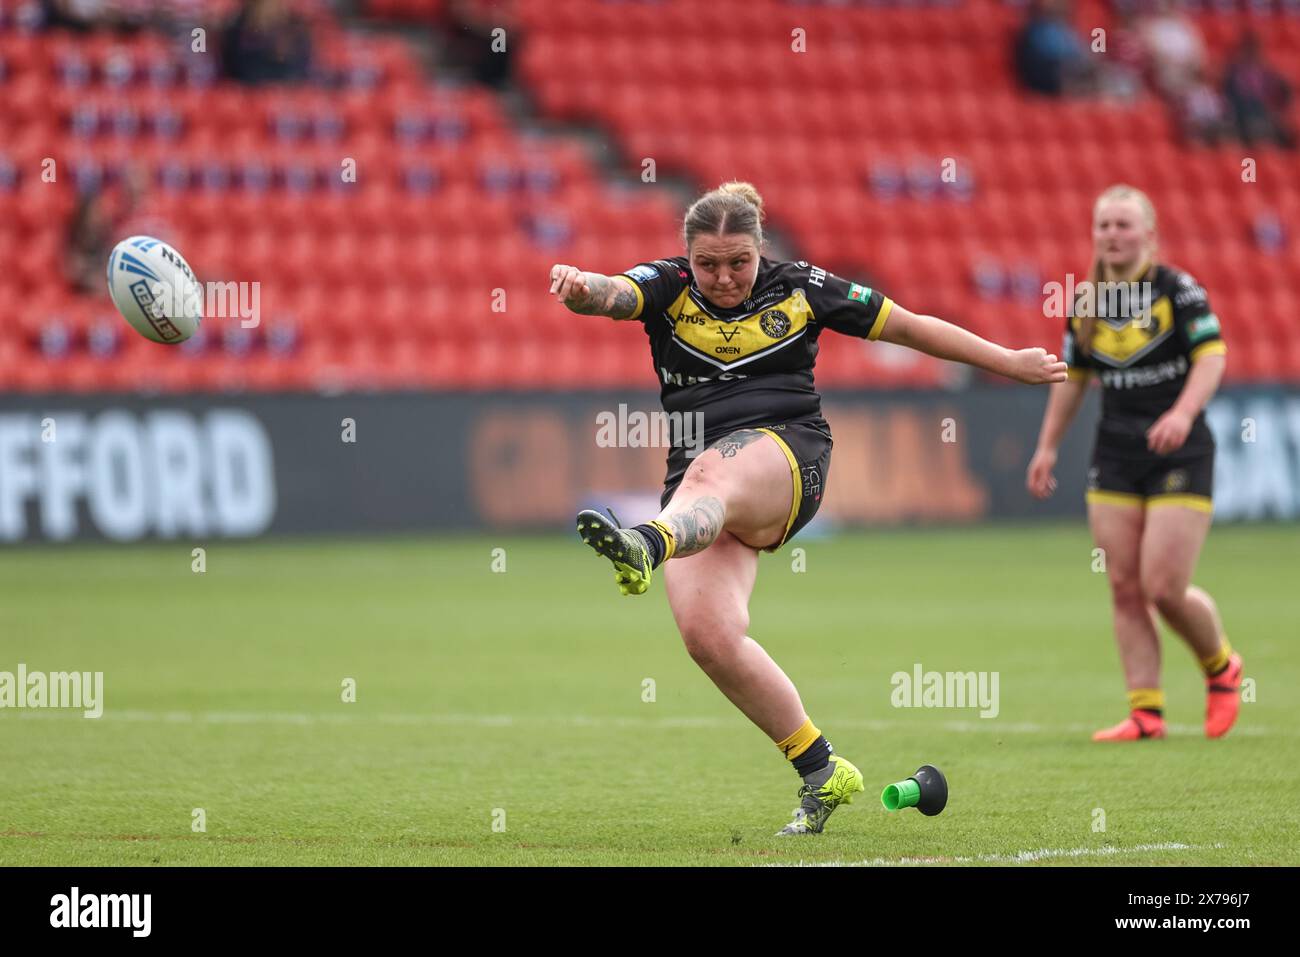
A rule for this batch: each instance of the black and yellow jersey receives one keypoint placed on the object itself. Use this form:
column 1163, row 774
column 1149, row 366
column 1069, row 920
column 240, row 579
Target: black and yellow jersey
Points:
column 750, row 364
column 1142, row 349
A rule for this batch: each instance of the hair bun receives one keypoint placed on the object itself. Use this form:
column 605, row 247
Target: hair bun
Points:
column 746, row 191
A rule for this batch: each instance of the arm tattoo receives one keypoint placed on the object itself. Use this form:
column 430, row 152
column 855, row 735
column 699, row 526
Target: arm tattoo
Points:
column 589, row 305
column 733, row 443
column 608, row 297
column 697, row 525
column 622, row 304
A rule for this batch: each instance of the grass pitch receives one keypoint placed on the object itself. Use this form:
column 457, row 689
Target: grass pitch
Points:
column 499, row 716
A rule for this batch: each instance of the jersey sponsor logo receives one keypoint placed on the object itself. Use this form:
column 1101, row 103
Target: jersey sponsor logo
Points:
column 774, row 324
column 812, row 482
column 777, row 292
column 745, row 338
column 1144, row 376
column 1202, row 328
column 643, row 273
column 859, row 293
column 1121, row 344
column 1189, row 292
column 816, row 276
column 682, row 379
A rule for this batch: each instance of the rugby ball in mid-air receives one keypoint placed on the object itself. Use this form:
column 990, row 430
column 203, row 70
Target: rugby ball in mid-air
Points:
column 154, row 289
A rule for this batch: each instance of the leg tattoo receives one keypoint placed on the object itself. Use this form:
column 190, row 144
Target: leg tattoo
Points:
column 733, row 443
column 696, row 526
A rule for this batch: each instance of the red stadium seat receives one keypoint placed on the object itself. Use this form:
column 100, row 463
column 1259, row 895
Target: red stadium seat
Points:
column 903, row 86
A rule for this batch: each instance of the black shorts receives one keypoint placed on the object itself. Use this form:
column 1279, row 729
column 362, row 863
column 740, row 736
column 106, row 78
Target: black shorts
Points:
column 807, row 447
column 1146, row 479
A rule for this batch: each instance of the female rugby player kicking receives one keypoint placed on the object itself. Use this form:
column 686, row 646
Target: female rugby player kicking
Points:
column 734, row 337
column 1150, row 484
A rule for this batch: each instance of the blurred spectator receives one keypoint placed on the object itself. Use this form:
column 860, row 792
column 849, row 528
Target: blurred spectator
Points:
column 82, row 15
column 1269, row 232
column 1024, row 283
column 1051, row 58
column 78, row 14
column 1122, row 68
column 103, row 217
column 989, row 279
column 90, row 239
column 265, row 42
column 1258, row 96
column 1201, row 112
column 135, row 215
column 483, row 43
column 1174, row 49
column 885, row 179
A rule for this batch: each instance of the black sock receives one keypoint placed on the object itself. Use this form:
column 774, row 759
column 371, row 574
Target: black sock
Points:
column 654, row 543
column 815, row 758
column 1154, row 712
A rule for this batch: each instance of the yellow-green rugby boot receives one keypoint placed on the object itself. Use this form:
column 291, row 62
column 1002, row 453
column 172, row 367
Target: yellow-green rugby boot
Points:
column 818, row 800
column 621, row 546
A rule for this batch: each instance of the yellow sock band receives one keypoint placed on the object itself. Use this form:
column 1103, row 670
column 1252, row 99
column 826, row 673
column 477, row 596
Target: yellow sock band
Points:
column 1151, row 699
column 670, row 543
column 800, row 741
column 1217, row 661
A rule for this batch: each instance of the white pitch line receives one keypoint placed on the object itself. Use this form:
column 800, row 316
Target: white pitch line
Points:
column 989, row 726
column 1020, row 857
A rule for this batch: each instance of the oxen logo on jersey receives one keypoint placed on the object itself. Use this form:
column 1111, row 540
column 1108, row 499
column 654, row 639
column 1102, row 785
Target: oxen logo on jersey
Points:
column 774, row 323
column 734, row 342
column 1124, row 343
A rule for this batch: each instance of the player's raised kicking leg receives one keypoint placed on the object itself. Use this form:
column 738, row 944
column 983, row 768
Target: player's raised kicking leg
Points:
column 735, row 499
column 738, row 483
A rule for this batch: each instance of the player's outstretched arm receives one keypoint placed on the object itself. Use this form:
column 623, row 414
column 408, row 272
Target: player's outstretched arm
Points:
column 592, row 294
column 943, row 340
